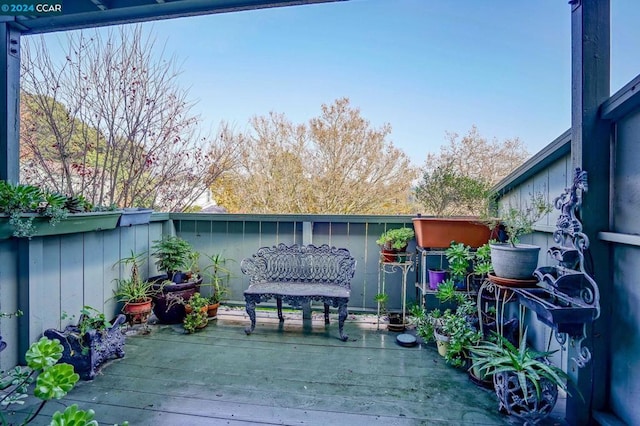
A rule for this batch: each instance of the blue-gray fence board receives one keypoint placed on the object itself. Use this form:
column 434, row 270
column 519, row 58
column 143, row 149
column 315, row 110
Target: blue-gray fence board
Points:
column 62, row 273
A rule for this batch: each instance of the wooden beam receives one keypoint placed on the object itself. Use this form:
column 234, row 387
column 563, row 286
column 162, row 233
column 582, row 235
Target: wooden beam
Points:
column 590, row 150
column 76, row 16
column 9, row 103
column 623, row 102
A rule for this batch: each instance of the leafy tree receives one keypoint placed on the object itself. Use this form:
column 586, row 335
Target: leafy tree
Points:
column 111, row 123
column 337, row 163
column 458, row 180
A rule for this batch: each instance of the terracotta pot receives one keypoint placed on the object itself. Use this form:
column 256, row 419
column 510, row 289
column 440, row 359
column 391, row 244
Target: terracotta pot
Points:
column 212, row 311
column 137, row 312
column 438, row 232
column 188, row 309
column 388, row 255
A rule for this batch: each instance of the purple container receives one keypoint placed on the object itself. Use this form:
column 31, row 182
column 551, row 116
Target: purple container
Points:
column 436, row 276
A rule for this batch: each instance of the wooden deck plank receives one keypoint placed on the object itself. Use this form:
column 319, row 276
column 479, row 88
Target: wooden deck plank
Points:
column 221, row 376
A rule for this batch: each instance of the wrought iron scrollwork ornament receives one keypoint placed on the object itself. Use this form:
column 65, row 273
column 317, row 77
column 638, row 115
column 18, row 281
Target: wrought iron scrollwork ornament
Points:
column 569, row 298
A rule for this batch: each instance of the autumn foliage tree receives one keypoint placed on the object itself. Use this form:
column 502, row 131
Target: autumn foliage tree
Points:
column 111, row 123
column 458, row 180
column 336, row 163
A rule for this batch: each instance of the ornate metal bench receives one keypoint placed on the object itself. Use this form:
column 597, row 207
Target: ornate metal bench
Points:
column 299, row 274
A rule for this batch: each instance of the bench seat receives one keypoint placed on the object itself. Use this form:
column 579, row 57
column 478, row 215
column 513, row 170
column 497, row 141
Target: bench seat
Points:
column 297, row 275
column 298, row 290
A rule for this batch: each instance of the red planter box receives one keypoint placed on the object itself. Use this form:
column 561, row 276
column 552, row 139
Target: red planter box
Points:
column 438, row 232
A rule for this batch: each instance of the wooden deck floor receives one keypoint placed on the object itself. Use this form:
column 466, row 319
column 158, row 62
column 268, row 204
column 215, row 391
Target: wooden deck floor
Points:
column 291, row 375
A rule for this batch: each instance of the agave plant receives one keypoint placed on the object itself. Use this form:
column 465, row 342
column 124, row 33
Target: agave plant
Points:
column 522, row 361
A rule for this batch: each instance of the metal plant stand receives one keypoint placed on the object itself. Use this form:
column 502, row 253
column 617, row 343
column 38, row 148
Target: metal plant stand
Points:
column 403, row 264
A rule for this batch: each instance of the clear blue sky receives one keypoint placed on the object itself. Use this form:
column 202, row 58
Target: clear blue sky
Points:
column 424, row 66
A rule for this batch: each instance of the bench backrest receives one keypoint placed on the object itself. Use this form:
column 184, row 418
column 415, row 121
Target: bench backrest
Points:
column 282, row 263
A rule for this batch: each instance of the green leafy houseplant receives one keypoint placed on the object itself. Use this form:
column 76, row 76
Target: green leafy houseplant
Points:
column 396, row 239
column 456, row 326
column 196, row 317
column 134, row 289
column 518, row 220
column 482, row 261
column 218, row 277
column 53, row 380
column 382, row 299
column 532, row 371
column 458, row 256
column 173, row 255
column 91, row 321
column 459, row 326
column 513, row 260
column 482, row 267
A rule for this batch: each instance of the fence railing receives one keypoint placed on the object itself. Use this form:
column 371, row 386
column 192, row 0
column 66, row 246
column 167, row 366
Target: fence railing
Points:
column 51, row 278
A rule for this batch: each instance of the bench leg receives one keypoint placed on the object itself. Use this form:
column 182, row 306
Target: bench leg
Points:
column 342, row 315
column 251, row 311
column 279, row 305
column 326, row 313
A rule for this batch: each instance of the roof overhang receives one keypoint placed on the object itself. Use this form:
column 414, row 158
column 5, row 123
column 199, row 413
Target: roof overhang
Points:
column 94, row 13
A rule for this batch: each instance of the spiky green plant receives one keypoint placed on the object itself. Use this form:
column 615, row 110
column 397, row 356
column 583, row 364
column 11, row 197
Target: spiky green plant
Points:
column 527, row 364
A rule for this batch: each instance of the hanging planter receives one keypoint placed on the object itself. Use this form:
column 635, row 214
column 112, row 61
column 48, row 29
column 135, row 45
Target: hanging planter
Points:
column 74, row 223
column 135, row 216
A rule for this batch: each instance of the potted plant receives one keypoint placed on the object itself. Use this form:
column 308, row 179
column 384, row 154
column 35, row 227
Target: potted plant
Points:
column 456, row 332
column 525, row 382
column 438, row 232
column 513, row 260
column 28, row 211
column 196, row 313
column 445, row 193
column 482, row 267
column 436, row 277
column 218, row 276
column 173, row 256
column 134, row 292
column 394, row 242
column 90, row 342
column 458, row 256
column 394, row 318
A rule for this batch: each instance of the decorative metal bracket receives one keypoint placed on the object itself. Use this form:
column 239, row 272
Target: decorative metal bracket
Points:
column 567, row 297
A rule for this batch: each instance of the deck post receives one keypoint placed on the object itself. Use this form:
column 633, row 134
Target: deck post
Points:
column 590, row 151
column 9, row 103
